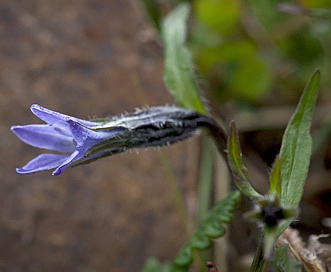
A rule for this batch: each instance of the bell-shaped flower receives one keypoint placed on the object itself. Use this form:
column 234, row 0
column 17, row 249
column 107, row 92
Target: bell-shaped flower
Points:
column 77, row 141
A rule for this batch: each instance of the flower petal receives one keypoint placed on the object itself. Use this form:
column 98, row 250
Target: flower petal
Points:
column 85, row 139
column 45, row 136
column 53, row 117
column 88, row 137
column 41, row 163
column 76, row 155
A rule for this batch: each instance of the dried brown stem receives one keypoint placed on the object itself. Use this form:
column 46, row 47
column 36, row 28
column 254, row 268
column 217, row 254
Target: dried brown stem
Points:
column 211, row 267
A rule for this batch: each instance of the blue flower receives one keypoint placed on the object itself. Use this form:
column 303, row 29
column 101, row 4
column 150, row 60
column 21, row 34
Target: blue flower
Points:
column 62, row 133
column 77, row 141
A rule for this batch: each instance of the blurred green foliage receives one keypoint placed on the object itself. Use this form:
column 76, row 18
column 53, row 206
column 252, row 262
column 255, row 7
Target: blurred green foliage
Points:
column 153, row 265
column 211, row 227
column 263, row 49
column 283, row 261
column 257, row 52
column 253, row 52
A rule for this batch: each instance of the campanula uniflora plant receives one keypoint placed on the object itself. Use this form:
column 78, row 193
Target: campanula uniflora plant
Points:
column 73, row 141
column 80, row 141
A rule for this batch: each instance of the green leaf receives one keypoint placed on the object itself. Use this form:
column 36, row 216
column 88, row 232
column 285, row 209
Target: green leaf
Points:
column 185, row 257
column 238, row 169
column 283, row 262
column 209, row 228
column 153, row 265
column 201, row 241
column 297, row 145
column 214, row 230
column 178, row 69
column 275, row 178
column 295, row 157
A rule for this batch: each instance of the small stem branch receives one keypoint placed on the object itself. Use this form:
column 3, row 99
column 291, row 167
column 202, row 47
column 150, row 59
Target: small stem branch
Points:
column 259, row 261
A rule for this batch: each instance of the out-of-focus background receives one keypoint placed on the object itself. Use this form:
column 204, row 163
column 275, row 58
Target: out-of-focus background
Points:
column 86, row 59
column 97, row 58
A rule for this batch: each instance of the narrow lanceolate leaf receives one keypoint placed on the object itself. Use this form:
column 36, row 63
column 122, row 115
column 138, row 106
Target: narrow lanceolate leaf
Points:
column 178, row 69
column 238, row 169
column 275, row 178
column 295, row 157
column 297, row 145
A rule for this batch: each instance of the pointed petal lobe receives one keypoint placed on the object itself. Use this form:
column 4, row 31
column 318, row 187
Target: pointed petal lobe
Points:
column 88, row 137
column 53, row 117
column 45, row 136
column 42, row 162
column 76, row 155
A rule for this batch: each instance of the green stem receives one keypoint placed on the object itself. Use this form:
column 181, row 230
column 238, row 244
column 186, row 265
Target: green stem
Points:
column 205, row 187
column 176, row 192
column 259, row 262
column 219, row 135
column 206, row 176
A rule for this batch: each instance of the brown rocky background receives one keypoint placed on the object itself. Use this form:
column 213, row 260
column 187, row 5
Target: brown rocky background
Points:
column 84, row 58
